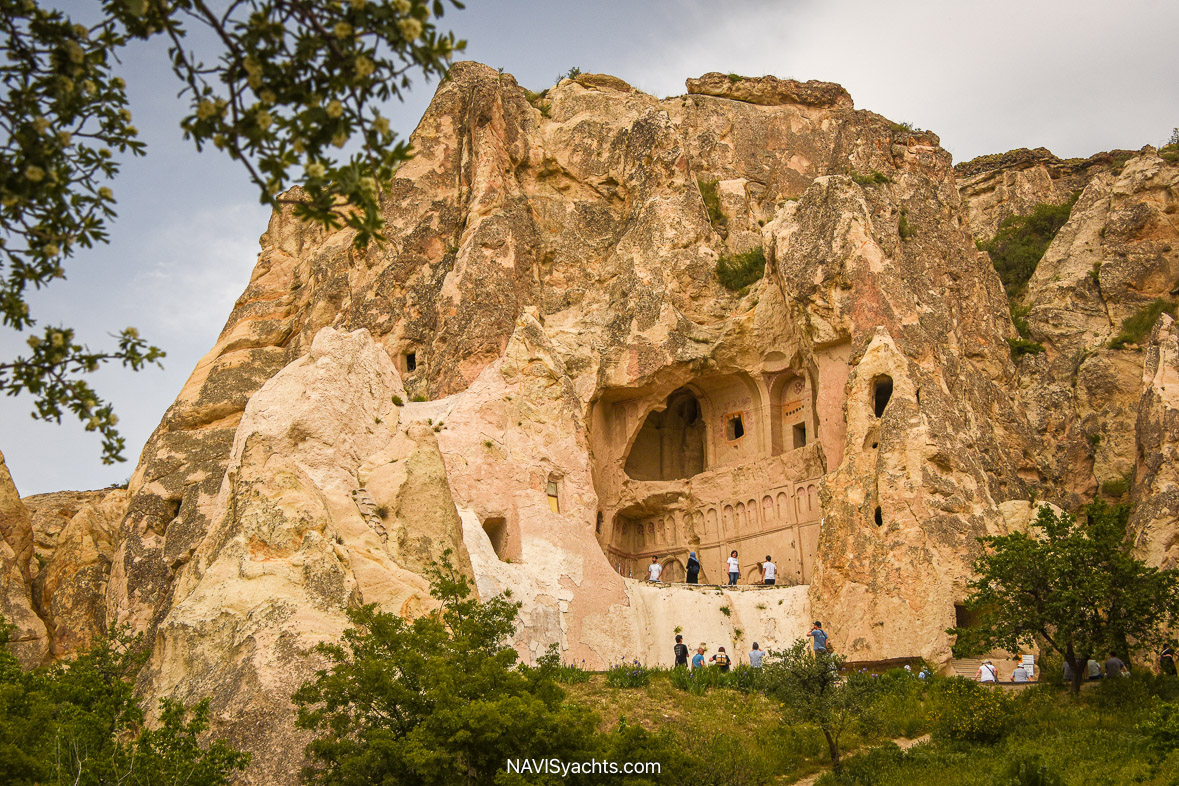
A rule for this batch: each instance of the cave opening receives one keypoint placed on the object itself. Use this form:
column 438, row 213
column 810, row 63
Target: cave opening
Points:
column 411, row 361
column 496, row 528
column 670, row 444
column 879, row 517
column 881, row 393
column 799, row 431
column 734, row 427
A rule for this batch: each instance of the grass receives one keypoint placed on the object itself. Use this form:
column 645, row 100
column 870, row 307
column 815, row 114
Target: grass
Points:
column 1022, row 346
column 874, row 178
column 711, row 197
column 738, row 271
column 1136, row 328
column 1118, row 731
column 902, row 128
column 1019, row 245
column 735, row 78
column 1117, row 488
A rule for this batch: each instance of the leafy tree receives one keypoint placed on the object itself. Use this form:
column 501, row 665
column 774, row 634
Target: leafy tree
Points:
column 812, row 690
column 78, row 722
column 1070, row 584
column 289, row 83
column 437, row 700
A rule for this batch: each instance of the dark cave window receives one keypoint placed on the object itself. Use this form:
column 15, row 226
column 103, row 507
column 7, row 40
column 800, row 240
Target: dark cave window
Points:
column 734, row 427
column 411, row 361
column 881, row 393
column 879, row 516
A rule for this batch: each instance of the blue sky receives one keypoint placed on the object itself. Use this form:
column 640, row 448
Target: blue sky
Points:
column 1077, row 77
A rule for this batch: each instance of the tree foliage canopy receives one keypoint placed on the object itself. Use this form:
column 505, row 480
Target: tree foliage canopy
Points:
column 1070, row 584
column 288, row 83
column 78, row 722
column 812, row 689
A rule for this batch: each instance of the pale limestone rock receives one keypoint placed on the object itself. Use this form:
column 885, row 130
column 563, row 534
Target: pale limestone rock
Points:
column 1155, row 521
column 28, row 639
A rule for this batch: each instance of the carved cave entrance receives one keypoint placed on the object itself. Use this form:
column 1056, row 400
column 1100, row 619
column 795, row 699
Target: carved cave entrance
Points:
column 670, row 445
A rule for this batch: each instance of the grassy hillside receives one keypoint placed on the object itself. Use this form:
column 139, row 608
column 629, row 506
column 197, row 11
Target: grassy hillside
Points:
column 1117, row 732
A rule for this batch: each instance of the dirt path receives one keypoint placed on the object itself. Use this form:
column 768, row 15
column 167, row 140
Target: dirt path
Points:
column 903, row 743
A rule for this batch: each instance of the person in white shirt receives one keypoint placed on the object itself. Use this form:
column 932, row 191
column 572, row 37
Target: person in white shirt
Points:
column 769, row 571
column 655, row 570
column 756, row 655
column 986, row 672
column 734, row 569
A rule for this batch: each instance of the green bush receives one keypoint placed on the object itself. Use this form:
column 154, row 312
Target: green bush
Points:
column 903, row 228
column 1022, row 346
column 1161, row 727
column 1021, row 241
column 629, row 676
column 735, row 78
column 1030, row 770
column 550, row 666
column 397, row 401
column 1116, row 488
column 1136, row 328
column 711, row 197
column 966, row 711
column 874, row 178
column 737, row 271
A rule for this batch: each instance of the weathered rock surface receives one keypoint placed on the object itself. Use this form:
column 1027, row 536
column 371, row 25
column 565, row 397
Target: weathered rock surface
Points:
column 28, row 638
column 541, row 372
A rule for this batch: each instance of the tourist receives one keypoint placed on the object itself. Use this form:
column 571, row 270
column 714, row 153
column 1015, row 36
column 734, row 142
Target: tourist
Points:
column 924, row 674
column 698, row 658
column 681, row 652
column 986, row 672
column 734, row 569
column 819, row 635
column 756, row 656
column 654, row 570
column 721, row 659
column 693, row 568
column 1020, row 674
column 1116, row 667
column 769, row 571
column 1167, row 661
column 1094, row 669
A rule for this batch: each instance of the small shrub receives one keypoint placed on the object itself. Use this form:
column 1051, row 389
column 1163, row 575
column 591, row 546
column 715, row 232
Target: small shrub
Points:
column 966, row 711
column 629, row 676
column 1116, row 488
column 1094, row 440
column 735, row 78
column 1022, row 346
column 903, row 228
column 901, row 128
column 697, row 682
column 382, row 511
column 711, row 197
column 738, row 271
column 487, row 444
column 1020, row 243
column 397, row 402
column 874, row 179
column 535, row 98
column 1161, row 727
column 377, row 421
column 572, row 73
column 1029, row 769
column 1019, row 317
column 744, row 678
column 1136, row 328
column 728, row 612
column 550, row 665
column 419, row 397
column 1095, row 274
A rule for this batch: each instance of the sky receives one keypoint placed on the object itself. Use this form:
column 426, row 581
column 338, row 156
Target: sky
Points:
column 1077, row 77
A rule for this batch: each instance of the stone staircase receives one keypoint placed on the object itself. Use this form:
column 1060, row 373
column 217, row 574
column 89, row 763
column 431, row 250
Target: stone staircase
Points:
column 965, row 667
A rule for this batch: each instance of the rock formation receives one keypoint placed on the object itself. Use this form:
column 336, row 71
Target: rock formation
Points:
column 541, row 373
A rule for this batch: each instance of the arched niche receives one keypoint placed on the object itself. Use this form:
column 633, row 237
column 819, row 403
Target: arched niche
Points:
column 670, row 444
column 791, row 408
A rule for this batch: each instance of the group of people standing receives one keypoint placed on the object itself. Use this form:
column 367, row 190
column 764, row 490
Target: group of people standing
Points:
column 769, row 571
column 756, row 655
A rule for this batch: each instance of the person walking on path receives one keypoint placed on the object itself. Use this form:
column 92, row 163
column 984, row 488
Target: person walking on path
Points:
column 681, row 652
column 654, row 570
column 769, row 571
column 756, row 656
column 721, row 659
column 734, row 569
column 1167, row 661
column 693, row 568
column 1019, row 674
column 819, row 635
column 986, row 672
column 698, row 658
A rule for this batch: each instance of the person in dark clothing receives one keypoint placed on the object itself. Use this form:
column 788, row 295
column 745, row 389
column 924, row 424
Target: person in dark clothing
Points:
column 681, row 652
column 721, row 659
column 693, row 568
column 1167, row 661
column 1115, row 667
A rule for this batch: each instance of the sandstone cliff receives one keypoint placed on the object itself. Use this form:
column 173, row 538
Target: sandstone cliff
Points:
column 541, row 372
